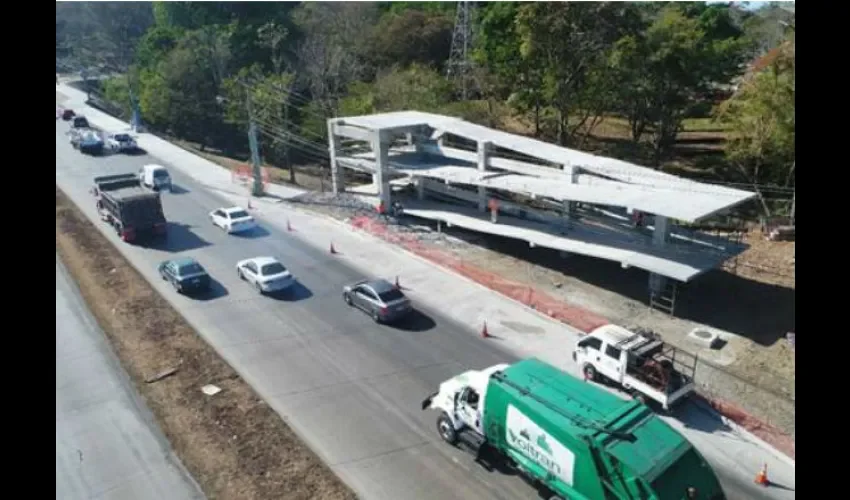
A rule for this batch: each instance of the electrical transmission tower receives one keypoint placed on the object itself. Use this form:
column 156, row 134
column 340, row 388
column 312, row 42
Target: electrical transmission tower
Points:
column 459, row 68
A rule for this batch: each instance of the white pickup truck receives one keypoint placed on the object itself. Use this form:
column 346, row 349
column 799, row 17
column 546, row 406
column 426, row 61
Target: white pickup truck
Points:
column 640, row 363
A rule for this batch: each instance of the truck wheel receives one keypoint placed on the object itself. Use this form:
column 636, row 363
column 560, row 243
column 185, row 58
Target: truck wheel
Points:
column 589, row 372
column 446, row 429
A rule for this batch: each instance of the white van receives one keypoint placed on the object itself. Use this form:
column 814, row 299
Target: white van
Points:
column 155, row 177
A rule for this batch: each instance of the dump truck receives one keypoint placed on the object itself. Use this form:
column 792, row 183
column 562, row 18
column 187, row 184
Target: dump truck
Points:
column 127, row 206
column 573, row 440
column 639, row 362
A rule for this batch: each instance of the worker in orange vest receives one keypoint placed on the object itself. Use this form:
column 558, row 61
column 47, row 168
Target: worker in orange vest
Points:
column 493, row 205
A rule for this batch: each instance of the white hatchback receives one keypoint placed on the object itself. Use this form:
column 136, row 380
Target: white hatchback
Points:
column 267, row 274
column 233, row 219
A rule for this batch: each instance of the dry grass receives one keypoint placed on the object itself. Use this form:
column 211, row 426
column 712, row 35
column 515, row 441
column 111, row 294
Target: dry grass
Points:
column 234, row 445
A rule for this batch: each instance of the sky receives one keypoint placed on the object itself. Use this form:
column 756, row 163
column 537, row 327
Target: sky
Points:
column 749, row 5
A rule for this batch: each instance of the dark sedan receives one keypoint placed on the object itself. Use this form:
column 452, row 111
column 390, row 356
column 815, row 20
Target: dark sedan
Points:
column 185, row 275
column 379, row 298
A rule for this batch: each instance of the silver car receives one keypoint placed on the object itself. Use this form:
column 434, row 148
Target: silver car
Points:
column 379, row 298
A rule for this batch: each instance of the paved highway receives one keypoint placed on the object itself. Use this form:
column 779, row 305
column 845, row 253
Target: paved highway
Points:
column 107, row 445
column 351, row 388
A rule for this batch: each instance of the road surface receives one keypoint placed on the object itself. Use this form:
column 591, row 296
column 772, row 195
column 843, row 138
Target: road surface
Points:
column 107, row 445
column 350, row 388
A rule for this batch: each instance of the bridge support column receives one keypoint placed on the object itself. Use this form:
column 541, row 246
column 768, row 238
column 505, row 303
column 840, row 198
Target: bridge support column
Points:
column 381, row 148
column 337, row 174
column 483, row 154
column 420, row 188
column 570, row 206
column 662, row 290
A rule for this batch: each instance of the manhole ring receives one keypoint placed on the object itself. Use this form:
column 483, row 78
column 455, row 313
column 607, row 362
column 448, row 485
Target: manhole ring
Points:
column 703, row 334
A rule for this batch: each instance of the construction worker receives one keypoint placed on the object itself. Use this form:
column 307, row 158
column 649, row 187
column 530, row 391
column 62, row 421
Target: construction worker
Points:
column 397, row 209
column 382, row 210
column 493, row 205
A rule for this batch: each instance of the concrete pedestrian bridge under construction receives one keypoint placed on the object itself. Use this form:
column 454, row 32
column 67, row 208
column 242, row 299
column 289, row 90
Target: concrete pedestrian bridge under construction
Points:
column 548, row 196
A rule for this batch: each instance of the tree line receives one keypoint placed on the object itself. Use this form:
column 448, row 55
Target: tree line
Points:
column 564, row 67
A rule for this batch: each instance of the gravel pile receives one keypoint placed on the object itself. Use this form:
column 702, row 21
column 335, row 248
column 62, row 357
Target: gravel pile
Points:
column 346, row 206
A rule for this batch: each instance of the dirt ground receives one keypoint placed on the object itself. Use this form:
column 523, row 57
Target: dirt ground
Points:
column 234, row 445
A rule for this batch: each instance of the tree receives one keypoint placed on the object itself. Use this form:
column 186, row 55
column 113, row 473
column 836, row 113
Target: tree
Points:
column 412, row 36
column 180, row 94
column 515, row 78
column 331, row 53
column 569, row 42
column 417, row 87
column 665, row 70
column 761, row 118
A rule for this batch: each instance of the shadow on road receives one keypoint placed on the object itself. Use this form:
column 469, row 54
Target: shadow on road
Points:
column 180, row 238
column 135, row 152
column 694, row 416
column 416, row 321
column 256, row 232
column 216, row 291
column 177, row 189
column 295, row 293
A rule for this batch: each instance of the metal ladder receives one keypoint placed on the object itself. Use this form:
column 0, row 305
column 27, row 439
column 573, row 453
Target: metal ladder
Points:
column 665, row 300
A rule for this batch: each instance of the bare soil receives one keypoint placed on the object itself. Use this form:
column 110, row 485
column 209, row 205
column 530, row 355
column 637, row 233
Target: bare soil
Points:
column 233, row 444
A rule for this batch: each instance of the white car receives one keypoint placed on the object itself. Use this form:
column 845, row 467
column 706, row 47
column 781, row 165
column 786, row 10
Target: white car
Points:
column 267, row 274
column 121, row 141
column 233, row 219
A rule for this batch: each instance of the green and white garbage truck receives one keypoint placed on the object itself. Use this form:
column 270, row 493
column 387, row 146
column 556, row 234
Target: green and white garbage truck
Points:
column 576, row 440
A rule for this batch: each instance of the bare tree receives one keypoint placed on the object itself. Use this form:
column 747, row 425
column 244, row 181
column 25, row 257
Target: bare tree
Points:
column 330, row 54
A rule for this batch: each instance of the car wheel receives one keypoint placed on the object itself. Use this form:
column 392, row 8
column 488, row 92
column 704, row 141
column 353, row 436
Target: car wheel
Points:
column 258, row 287
column 347, row 298
column 239, row 273
column 589, row 372
column 446, row 429
column 376, row 317
column 176, row 286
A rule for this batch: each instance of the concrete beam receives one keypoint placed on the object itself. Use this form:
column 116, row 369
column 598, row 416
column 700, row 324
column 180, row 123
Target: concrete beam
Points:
column 356, row 133
column 483, row 156
column 517, row 166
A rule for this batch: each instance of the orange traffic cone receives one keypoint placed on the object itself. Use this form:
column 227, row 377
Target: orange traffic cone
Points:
column 288, row 226
column 484, row 333
column 333, row 250
column 761, row 477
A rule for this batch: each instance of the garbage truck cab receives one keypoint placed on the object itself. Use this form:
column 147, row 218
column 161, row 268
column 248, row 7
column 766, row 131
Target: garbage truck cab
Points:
column 573, row 440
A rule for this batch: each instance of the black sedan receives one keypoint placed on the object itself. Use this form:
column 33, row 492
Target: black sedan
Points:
column 185, row 275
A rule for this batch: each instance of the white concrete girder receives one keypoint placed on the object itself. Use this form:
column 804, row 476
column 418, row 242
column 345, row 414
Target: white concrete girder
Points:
column 356, row 133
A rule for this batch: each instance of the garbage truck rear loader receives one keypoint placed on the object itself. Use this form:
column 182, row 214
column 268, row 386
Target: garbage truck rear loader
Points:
column 574, row 439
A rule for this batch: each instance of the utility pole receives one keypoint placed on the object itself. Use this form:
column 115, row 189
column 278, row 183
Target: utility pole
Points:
column 286, row 135
column 253, row 144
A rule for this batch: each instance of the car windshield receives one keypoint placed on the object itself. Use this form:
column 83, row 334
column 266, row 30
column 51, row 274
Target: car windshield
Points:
column 239, row 214
column 274, row 268
column 391, row 295
column 188, row 269
column 160, row 173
